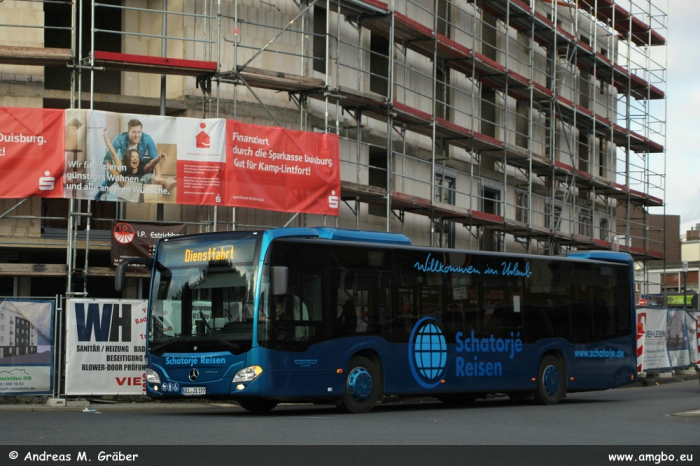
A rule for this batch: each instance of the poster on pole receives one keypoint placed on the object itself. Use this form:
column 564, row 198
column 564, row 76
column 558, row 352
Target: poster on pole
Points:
column 31, row 152
column 693, row 322
column 655, row 351
column 677, row 338
column 105, row 346
column 138, row 239
column 26, row 347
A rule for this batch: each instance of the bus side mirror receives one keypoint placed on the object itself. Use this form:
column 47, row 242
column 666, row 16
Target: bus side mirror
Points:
column 278, row 280
column 121, row 269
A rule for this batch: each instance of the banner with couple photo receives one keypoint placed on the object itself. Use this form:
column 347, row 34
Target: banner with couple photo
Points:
column 96, row 155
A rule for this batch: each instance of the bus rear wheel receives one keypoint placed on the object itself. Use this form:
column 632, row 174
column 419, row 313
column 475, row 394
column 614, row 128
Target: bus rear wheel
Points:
column 551, row 381
column 258, row 406
column 363, row 386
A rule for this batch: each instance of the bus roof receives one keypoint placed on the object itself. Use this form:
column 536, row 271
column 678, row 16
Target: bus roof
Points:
column 363, row 236
column 608, row 256
column 398, row 239
column 338, row 234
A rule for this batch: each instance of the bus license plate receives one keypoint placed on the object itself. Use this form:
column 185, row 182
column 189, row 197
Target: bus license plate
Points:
column 194, row 391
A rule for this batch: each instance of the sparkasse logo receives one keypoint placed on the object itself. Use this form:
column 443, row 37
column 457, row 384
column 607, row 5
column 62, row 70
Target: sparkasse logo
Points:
column 333, row 200
column 46, row 182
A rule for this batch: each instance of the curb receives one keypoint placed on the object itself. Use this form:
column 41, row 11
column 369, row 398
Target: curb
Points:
column 96, row 408
column 656, row 380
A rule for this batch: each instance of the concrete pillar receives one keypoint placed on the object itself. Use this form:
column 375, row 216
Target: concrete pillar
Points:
column 24, row 286
column 131, row 289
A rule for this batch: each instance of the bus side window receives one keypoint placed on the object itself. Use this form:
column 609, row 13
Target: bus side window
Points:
column 348, row 317
column 538, row 323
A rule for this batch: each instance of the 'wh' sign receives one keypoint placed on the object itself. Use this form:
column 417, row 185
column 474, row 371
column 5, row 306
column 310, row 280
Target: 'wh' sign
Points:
column 105, row 322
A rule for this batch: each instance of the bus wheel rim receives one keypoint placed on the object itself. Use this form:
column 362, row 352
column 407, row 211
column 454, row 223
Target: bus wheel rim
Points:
column 360, row 384
column 550, row 379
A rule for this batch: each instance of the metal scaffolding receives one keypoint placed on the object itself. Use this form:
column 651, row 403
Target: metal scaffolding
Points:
column 513, row 125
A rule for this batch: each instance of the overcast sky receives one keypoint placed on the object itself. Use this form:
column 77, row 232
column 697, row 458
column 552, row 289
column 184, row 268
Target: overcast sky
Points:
column 683, row 129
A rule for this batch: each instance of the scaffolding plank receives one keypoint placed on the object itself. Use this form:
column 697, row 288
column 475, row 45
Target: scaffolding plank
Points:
column 415, row 35
column 354, row 99
column 362, row 192
column 358, row 7
column 582, row 240
column 410, row 203
column 491, row 73
column 521, row 157
column 637, row 142
column 645, row 199
column 521, row 18
column 641, row 253
column 480, row 218
column 413, row 117
column 34, row 56
column 422, row 206
column 423, row 40
column 623, row 193
column 451, row 130
column 607, row 9
column 278, row 81
column 639, row 88
column 448, row 49
column 150, row 64
column 484, row 142
column 451, row 212
column 34, row 270
column 516, row 228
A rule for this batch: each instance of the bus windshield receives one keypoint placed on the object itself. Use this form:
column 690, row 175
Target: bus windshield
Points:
column 203, row 295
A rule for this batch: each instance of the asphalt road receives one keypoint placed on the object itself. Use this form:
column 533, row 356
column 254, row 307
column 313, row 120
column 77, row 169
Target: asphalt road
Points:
column 653, row 415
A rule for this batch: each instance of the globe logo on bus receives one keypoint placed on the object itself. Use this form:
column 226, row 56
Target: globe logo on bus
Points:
column 427, row 353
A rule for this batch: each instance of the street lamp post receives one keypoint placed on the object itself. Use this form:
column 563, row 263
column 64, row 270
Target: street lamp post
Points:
column 685, row 279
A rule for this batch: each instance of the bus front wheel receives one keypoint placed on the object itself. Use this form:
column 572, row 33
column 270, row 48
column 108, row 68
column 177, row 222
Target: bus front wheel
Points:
column 258, row 406
column 363, row 386
column 551, row 381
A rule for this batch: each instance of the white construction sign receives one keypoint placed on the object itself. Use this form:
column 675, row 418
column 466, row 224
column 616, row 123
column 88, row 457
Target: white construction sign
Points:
column 105, row 346
column 670, row 338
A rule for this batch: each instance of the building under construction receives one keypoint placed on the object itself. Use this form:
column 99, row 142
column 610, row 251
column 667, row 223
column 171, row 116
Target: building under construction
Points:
column 525, row 126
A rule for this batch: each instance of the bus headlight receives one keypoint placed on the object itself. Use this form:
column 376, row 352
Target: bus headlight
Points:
column 152, row 376
column 247, row 374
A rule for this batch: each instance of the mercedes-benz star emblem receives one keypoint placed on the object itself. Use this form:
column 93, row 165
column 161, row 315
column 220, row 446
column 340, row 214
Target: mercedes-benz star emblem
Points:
column 194, row 374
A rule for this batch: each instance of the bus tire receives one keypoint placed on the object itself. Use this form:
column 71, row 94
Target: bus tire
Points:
column 258, row 405
column 363, row 386
column 458, row 399
column 551, row 381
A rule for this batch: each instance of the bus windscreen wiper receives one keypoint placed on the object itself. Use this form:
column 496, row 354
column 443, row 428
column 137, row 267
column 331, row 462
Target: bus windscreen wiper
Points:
column 226, row 342
column 160, row 346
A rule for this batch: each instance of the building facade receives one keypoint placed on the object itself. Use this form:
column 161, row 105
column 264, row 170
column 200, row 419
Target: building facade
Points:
column 505, row 125
column 18, row 336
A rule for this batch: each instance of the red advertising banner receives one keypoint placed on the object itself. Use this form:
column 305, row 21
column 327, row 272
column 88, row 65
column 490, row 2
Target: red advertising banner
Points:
column 96, row 155
column 200, row 162
column 283, row 170
column 31, row 152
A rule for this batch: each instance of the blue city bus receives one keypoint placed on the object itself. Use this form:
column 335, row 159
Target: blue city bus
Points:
column 348, row 317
